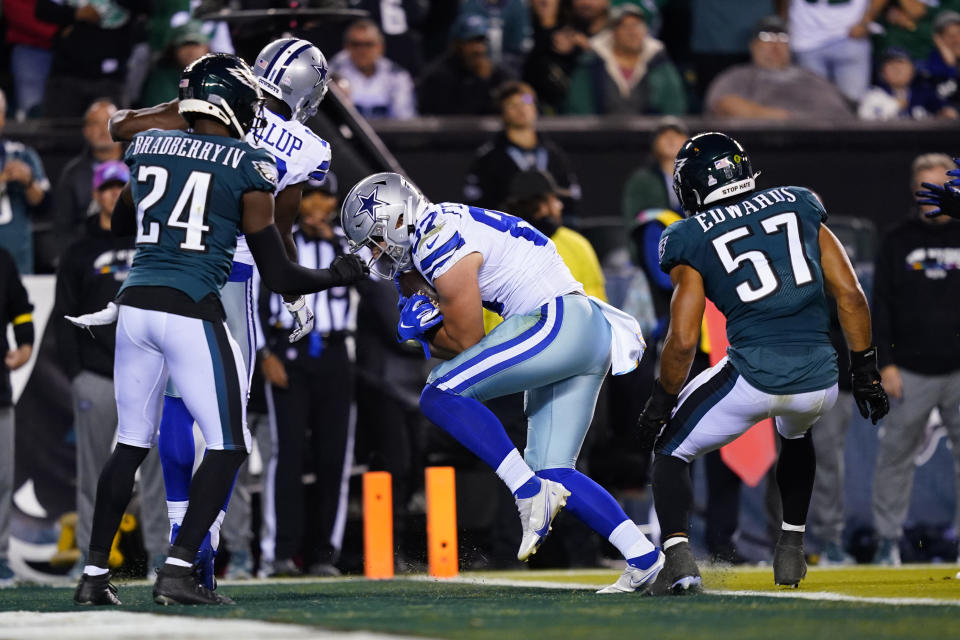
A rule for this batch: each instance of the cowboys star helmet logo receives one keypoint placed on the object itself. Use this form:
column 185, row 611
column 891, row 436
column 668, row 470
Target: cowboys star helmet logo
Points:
column 321, row 74
column 369, row 203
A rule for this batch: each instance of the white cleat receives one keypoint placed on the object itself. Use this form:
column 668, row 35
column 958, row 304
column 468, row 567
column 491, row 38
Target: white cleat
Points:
column 537, row 514
column 634, row 579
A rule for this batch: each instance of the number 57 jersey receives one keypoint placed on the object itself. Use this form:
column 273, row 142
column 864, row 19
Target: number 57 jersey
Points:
column 521, row 268
column 759, row 257
column 188, row 190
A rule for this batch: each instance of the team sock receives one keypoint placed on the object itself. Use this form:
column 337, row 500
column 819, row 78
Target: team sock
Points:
column 633, row 545
column 212, row 483
column 672, row 495
column 114, row 489
column 796, row 469
column 475, row 427
column 177, row 452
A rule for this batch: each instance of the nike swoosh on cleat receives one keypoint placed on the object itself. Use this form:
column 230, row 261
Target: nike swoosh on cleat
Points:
column 542, row 531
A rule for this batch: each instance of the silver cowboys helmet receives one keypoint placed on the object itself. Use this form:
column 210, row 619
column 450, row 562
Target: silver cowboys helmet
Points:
column 380, row 213
column 293, row 71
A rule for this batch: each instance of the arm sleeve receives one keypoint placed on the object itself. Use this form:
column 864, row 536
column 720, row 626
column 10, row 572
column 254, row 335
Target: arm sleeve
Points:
column 278, row 273
column 67, row 303
column 18, row 306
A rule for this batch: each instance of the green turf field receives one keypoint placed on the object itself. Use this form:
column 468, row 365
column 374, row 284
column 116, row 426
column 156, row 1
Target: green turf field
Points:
column 497, row 612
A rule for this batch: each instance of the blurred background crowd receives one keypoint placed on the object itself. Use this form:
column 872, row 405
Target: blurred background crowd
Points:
column 344, row 399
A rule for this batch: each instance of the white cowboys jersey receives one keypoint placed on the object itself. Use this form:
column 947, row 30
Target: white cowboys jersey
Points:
column 521, row 268
column 300, row 155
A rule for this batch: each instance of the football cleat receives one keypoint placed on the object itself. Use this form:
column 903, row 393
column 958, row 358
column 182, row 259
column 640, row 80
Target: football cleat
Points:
column 204, row 562
column 96, row 591
column 182, row 585
column 789, row 563
column 634, row 579
column 537, row 514
column 679, row 575
column 888, row 553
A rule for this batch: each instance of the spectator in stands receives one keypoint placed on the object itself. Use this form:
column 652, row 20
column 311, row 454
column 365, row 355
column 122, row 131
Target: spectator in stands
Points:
column 770, row 87
column 651, row 186
column 908, row 24
column 400, row 23
column 832, row 40
column 188, row 42
column 509, row 34
column 73, row 199
column 312, row 387
column 556, row 48
column 16, row 311
column 463, row 80
column 941, row 69
column 23, row 188
column 720, row 33
column 536, row 197
column 378, row 87
column 900, row 94
column 90, row 274
column 90, row 52
column 917, row 273
column 627, row 72
column 590, row 17
column 30, row 43
column 517, row 148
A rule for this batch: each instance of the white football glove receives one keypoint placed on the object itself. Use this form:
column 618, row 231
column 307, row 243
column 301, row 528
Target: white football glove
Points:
column 97, row 318
column 302, row 317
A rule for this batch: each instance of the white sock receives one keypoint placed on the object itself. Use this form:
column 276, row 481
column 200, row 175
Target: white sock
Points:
column 91, row 570
column 514, row 471
column 177, row 562
column 176, row 509
column 793, row 527
column 629, row 540
column 675, row 540
column 215, row 530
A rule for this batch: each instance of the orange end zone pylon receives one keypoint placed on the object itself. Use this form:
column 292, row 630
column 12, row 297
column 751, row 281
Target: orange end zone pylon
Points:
column 441, row 497
column 377, row 525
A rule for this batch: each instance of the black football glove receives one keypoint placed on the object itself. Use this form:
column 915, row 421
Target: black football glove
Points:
column 348, row 269
column 945, row 197
column 655, row 415
column 872, row 401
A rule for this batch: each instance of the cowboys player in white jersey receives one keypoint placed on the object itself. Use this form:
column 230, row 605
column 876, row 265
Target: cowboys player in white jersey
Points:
column 293, row 75
column 555, row 344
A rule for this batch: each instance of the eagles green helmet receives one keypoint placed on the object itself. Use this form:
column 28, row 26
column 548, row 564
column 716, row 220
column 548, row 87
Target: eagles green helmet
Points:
column 222, row 87
column 711, row 167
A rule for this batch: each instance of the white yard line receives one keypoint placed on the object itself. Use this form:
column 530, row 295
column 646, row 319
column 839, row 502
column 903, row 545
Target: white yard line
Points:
column 115, row 625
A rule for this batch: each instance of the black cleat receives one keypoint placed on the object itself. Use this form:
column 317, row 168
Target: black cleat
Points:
column 679, row 575
column 181, row 585
column 96, row 591
column 789, row 563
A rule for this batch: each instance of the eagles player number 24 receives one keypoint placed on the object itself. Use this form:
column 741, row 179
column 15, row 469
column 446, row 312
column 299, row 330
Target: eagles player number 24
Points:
column 769, row 283
column 193, row 198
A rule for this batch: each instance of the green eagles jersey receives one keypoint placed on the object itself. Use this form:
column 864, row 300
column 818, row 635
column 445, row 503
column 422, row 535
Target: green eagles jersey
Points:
column 187, row 189
column 759, row 257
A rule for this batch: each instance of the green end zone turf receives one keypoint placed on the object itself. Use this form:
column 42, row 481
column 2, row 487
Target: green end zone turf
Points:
column 472, row 611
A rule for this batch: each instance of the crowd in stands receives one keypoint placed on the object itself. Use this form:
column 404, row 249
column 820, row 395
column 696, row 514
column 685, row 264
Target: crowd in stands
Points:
column 773, row 59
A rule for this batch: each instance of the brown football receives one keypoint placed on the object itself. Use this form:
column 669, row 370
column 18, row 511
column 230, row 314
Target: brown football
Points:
column 412, row 282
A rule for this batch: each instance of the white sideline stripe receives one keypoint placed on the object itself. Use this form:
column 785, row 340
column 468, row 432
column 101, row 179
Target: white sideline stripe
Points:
column 802, row 595
column 107, row 625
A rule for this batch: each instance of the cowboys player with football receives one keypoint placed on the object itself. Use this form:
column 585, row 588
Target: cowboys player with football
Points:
column 293, row 75
column 555, row 344
column 190, row 195
column 766, row 259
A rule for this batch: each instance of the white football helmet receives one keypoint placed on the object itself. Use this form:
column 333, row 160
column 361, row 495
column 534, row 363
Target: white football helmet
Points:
column 294, row 71
column 380, row 213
